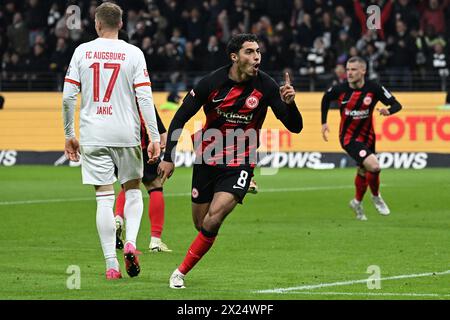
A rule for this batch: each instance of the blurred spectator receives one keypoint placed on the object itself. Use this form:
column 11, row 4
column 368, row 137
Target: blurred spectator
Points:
column 306, row 32
column 194, row 27
column 401, row 56
column 342, row 47
column 192, row 60
column 36, row 19
column 18, row 35
column 340, row 75
column 60, row 58
column 406, row 11
column 215, row 56
column 13, row 71
column 38, row 61
column 297, row 14
column 328, row 29
column 439, row 61
column 434, row 16
column 374, row 61
column 53, row 16
column 317, row 63
column 237, row 13
column 132, row 21
column 152, row 58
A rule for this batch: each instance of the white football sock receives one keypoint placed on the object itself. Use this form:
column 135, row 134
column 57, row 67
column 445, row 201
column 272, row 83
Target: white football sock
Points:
column 112, row 263
column 106, row 225
column 134, row 207
column 119, row 220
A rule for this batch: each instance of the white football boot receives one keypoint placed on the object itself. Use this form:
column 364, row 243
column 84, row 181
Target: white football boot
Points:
column 358, row 209
column 380, row 205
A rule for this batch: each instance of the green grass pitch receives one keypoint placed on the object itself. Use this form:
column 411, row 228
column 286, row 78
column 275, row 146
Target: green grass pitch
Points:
column 297, row 233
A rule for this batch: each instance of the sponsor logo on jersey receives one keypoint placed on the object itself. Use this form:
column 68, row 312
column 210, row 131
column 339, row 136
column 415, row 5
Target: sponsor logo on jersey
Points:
column 357, row 114
column 235, row 117
column 252, row 102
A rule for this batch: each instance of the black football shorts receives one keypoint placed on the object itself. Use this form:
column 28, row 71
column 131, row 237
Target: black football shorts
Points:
column 207, row 180
column 150, row 170
column 359, row 151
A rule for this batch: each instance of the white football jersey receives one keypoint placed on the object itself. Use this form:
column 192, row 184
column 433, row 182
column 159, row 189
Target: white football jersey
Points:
column 113, row 78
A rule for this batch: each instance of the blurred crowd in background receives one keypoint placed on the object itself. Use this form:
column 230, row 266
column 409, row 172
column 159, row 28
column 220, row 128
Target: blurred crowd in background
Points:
column 183, row 40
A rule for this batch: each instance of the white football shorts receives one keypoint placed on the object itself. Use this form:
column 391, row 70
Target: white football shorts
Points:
column 98, row 164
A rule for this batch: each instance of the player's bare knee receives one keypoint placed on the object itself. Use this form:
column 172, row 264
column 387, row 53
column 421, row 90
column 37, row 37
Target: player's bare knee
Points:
column 213, row 220
column 375, row 169
column 104, row 188
column 132, row 184
column 154, row 184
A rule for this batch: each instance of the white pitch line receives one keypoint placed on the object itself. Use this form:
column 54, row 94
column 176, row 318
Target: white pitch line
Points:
column 350, row 282
column 406, row 294
column 181, row 194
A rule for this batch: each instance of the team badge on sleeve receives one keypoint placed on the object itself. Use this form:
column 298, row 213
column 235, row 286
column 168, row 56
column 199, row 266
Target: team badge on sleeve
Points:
column 145, row 73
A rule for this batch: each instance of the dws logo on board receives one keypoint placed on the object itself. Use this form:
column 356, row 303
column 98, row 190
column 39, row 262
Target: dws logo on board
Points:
column 8, row 157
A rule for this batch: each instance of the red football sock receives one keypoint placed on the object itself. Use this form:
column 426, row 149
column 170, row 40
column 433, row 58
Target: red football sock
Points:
column 156, row 211
column 120, row 204
column 196, row 251
column 374, row 182
column 361, row 187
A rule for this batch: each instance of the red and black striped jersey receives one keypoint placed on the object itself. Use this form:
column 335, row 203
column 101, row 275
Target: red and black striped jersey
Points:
column 356, row 109
column 235, row 113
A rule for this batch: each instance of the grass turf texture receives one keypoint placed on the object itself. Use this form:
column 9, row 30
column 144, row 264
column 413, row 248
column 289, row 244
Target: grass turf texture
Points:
column 303, row 234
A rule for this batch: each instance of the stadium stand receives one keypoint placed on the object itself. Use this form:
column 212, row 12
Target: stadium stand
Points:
column 182, row 40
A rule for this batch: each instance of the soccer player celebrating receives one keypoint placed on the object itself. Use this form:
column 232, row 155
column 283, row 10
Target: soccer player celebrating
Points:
column 235, row 99
column 112, row 76
column 152, row 183
column 357, row 99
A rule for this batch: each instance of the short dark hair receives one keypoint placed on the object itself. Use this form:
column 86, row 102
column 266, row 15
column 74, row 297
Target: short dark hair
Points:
column 358, row 59
column 236, row 42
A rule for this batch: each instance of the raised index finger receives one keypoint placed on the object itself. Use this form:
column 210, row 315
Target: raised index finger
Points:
column 287, row 80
